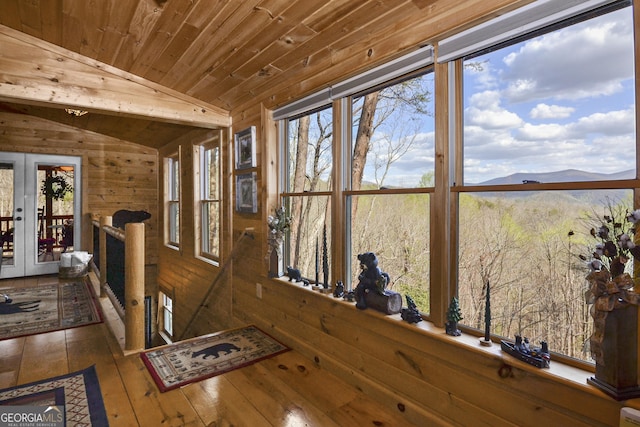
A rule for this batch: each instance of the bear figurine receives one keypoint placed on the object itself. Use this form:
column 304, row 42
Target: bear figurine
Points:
column 294, row 274
column 371, row 279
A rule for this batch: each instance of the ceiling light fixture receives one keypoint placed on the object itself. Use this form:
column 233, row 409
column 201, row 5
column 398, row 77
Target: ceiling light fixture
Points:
column 75, row 112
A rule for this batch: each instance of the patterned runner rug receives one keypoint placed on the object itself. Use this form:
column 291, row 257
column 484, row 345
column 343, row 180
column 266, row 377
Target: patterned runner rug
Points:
column 76, row 395
column 46, row 308
column 203, row 357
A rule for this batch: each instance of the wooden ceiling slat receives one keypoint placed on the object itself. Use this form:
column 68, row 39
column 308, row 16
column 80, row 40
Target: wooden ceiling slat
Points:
column 214, row 46
column 30, row 17
column 116, row 31
column 164, row 31
column 51, row 17
column 295, row 55
column 266, row 44
column 175, row 48
column 345, row 29
column 193, row 53
column 331, row 12
column 72, row 27
column 94, row 18
column 142, row 23
column 10, row 15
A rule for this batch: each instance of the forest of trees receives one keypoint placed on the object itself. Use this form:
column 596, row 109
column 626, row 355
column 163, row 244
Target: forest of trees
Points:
column 529, row 248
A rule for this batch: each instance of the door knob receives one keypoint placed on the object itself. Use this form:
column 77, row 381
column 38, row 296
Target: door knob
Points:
column 18, row 218
column 19, row 209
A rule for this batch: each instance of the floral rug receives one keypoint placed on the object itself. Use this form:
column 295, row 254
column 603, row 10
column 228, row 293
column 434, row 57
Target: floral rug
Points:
column 46, row 308
column 77, row 395
column 203, row 357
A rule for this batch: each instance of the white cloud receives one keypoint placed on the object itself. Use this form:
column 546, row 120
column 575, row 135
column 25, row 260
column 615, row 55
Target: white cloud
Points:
column 543, row 132
column 610, row 123
column 597, row 142
column 485, row 110
column 589, row 59
column 544, row 111
column 586, row 66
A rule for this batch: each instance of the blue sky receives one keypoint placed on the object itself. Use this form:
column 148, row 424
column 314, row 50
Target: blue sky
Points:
column 563, row 100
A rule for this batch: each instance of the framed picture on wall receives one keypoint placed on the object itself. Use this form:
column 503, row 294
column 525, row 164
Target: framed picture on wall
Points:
column 245, row 142
column 247, row 192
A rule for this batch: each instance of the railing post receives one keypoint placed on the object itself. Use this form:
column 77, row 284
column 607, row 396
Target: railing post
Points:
column 102, row 241
column 134, row 286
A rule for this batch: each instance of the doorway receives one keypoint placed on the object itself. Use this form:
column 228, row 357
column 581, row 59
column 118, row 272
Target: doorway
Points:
column 39, row 205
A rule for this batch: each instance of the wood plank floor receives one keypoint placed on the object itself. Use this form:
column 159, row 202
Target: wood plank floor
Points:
column 287, row 390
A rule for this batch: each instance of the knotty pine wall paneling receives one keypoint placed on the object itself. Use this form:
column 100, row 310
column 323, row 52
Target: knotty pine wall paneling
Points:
column 187, row 275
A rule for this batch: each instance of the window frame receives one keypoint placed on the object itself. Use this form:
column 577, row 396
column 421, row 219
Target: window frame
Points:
column 204, row 200
column 287, row 195
column 172, row 194
column 166, row 311
column 342, row 194
column 458, row 187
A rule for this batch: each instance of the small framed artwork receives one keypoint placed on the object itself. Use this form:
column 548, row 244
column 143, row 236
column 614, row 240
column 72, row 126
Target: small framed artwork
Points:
column 246, row 148
column 247, row 192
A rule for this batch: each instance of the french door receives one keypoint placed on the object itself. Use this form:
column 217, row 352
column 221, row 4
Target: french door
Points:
column 39, row 202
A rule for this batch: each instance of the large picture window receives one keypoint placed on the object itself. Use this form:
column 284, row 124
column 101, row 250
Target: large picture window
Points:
column 549, row 123
column 388, row 168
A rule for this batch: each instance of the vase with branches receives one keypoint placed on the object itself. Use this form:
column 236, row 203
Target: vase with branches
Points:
column 614, row 302
column 279, row 224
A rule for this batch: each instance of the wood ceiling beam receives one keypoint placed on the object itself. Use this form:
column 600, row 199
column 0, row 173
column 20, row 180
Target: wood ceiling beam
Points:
column 35, row 72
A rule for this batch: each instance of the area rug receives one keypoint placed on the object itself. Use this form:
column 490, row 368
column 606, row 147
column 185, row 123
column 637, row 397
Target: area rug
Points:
column 46, row 308
column 76, row 395
column 203, row 357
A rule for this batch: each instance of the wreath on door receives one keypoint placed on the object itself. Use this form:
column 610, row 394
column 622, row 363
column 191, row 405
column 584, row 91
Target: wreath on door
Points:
column 55, row 187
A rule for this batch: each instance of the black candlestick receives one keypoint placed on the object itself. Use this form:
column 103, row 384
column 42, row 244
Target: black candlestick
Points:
column 325, row 261
column 487, row 315
column 317, row 262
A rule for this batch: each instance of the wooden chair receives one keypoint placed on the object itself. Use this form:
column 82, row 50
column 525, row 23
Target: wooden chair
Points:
column 67, row 235
column 45, row 244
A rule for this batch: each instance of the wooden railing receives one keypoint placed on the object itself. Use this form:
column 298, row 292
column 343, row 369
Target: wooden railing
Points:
column 130, row 304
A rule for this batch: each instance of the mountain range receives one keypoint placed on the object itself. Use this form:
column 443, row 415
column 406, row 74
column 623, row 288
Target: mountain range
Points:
column 568, row 175
column 593, row 197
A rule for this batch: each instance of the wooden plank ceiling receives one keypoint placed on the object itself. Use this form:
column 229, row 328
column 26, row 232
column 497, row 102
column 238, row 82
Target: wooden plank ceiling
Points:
column 230, row 53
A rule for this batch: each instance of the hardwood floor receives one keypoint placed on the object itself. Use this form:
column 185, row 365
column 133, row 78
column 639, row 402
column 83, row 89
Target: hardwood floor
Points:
column 287, row 390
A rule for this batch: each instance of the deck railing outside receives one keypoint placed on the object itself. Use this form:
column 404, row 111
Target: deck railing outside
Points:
column 52, row 229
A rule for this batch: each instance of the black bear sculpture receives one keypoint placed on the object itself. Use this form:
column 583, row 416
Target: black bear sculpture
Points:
column 294, row 274
column 371, row 279
column 125, row 216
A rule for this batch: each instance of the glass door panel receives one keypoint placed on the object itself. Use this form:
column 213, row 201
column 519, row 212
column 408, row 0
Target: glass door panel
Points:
column 51, row 182
column 12, row 214
column 38, row 208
